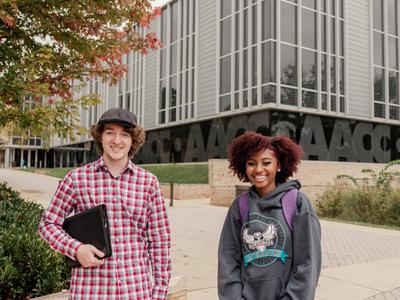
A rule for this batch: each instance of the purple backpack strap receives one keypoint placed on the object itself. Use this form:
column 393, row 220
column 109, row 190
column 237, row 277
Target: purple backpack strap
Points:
column 289, row 206
column 243, row 206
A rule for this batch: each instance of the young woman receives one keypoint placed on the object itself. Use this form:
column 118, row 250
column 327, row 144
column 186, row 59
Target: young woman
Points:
column 267, row 251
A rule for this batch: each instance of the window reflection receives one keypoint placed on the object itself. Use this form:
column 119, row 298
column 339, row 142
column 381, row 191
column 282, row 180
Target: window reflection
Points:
column 309, row 26
column 288, row 65
column 288, row 23
column 309, row 69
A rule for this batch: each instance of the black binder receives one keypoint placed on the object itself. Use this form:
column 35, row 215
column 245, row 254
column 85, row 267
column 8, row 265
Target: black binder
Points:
column 90, row 227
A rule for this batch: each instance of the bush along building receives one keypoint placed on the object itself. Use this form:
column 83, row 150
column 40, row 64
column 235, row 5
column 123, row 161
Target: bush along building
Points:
column 324, row 72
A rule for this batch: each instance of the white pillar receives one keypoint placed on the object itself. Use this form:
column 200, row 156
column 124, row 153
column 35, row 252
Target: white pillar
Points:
column 61, row 158
column 29, row 158
column 7, row 158
column 68, row 153
column 22, row 158
column 36, row 158
column 45, row 159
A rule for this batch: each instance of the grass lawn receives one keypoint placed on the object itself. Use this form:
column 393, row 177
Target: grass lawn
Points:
column 177, row 173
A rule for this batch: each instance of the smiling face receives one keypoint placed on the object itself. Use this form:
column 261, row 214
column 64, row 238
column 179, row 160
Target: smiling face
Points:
column 116, row 142
column 261, row 169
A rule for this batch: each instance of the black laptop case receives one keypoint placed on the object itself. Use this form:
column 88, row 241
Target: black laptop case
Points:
column 90, row 227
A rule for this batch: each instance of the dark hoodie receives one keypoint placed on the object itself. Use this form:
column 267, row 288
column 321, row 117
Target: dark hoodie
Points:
column 262, row 258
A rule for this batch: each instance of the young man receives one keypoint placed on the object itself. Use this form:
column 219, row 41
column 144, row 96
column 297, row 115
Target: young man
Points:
column 140, row 266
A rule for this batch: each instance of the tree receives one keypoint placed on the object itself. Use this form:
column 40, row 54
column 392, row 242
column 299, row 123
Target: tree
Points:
column 49, row 47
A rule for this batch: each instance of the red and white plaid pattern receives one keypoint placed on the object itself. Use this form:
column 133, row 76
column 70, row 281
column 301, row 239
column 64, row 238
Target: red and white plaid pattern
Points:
column 140, row 267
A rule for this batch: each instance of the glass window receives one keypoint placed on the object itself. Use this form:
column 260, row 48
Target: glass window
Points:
column 225, row 103
column 393, row 53
column 163, row 63
column 340, row 4
column 162, row 117
column 193, row 50
column 245, row 31
column 268, row 62
column 172, row 114
column 288, row 65
column 323, row 32
column 237, row 100
column 194, row 29
column 254, row 66
column 254, row 96
column 341, row 38
column 309, row 29
column 254, row 24
column 394, row 87
column 333, row 102
column 245, row 70
column 163, row 91
column 237, row 31
column 324, row 68
column 226, row 36
column 392, row 16
column 237, row 71
column 333, row 36
column 341, row 76
column 225, row 75
column 323, row 5
column 324, row 102
column 378, row 49
column 379, row 85
column 172, row 91
column 268, row 94
column 289, row 96
column 378, row 14
column 333, row 7
column 173, row 62
column 174, row 22
column 342, row 107
column 226, row 8
column 333, row 74
column 245, row 99
column 309, row 69
column 309, row 99
column 268, row 19
column 164, row 26
column 379, row 110
column 394, row 112
column 237, row 5
column 309, row 3
column 288, row 23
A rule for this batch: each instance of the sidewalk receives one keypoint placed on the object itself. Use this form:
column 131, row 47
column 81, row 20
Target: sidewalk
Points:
column 359, row 262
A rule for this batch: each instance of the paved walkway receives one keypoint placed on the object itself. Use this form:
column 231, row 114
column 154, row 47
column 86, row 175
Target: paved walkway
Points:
column 359, row 262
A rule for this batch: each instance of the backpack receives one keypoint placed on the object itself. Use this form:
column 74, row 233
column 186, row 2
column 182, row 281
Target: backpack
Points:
column 289, row 206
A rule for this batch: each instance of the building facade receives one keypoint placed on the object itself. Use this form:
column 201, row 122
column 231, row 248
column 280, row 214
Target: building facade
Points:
column 324, row 72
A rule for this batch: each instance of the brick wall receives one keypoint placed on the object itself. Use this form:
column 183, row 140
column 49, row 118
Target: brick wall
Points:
column 186, row 191
column 315, row 177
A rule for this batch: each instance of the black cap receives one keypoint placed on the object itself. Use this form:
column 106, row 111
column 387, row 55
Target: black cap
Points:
column 118, row 116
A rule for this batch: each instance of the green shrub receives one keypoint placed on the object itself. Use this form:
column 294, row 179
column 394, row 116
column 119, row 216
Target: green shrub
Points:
column 28, row 266
column 373, row 199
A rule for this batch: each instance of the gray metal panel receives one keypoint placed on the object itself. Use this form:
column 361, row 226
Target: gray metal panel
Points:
column 358, row 59
column 150, row 85
column 207, row 69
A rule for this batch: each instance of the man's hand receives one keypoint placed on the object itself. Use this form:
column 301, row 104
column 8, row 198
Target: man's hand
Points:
column 88, row 255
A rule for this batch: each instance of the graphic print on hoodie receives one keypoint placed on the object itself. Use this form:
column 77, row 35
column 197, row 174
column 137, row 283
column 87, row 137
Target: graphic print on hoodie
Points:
column 264, row 241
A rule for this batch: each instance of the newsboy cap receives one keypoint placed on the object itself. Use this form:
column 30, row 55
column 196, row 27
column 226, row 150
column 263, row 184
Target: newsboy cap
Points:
column 118, row 116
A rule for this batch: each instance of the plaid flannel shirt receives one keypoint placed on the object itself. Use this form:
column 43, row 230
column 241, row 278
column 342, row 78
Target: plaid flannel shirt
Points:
column 140, row 267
